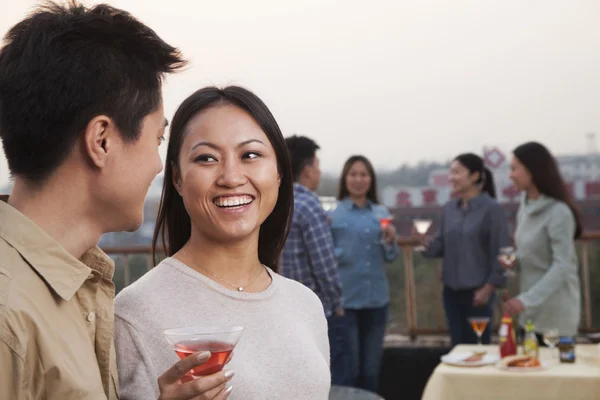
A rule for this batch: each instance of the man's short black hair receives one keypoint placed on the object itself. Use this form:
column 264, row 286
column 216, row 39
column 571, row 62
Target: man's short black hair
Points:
column 62, row 66
column 302, row 153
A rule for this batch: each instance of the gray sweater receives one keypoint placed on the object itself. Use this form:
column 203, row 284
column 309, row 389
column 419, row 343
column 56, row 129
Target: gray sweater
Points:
column 283, row 352
column 546, row 255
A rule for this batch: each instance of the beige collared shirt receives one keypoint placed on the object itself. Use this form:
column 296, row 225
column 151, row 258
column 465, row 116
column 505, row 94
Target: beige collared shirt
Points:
column 56, row 317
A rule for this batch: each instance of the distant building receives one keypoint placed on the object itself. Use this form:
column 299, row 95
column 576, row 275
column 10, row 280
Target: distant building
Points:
column 581, row 174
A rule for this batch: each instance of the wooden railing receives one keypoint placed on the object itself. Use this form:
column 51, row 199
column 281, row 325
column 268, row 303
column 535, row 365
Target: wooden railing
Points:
column 407, row 245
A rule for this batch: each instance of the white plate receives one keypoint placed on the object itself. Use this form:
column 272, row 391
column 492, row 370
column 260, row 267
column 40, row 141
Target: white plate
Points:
column 523, row 369
column 458, row 359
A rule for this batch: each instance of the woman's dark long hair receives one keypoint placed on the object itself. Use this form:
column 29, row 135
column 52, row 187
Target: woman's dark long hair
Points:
column 546, row 177
column 173, row 225
column 343, row 189
column 474, row 163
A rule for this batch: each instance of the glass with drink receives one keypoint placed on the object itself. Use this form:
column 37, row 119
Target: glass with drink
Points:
column 508, row 256
column 220, row 341
column 421, row 226
column 384, row 222
column 479, row 324
column 551, row 338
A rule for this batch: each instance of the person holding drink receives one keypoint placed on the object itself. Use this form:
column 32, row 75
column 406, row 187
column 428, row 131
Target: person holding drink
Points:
column 548, row 222
column 224, row 216
column 472, row 230
column 81, row 121
column 364, row 241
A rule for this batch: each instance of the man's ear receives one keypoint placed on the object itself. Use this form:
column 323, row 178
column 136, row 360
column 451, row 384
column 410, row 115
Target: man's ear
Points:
column 99, row 136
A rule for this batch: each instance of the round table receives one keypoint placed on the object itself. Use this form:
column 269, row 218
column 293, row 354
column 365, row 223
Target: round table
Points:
column 350, row 393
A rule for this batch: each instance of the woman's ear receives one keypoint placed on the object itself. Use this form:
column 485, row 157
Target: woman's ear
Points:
column 176, row 178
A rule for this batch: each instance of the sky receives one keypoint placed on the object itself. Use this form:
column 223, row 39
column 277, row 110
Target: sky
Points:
column 396, row 80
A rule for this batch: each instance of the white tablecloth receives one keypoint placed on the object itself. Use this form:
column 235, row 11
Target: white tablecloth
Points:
column 578, row 381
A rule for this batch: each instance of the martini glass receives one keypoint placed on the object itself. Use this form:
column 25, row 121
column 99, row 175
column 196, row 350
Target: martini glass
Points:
column 219, row 340
column 551, row 338
column 384, row 222
column 508, row 256
column 422, row 226
column 479, row 324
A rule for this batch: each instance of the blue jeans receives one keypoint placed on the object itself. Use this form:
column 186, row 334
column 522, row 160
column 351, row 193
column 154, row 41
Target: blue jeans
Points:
column 367, row 329
column 339, row 349
column 458, row 305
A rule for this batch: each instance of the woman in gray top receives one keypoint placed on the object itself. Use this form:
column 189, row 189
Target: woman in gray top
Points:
column 472, row 230
column 548, row 223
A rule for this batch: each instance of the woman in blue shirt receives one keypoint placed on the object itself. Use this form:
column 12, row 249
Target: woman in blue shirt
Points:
column 362, row 249
column 473, row 228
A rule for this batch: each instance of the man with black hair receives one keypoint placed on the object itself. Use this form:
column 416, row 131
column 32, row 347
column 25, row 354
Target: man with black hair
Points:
column 308, row 256
column 81, row 119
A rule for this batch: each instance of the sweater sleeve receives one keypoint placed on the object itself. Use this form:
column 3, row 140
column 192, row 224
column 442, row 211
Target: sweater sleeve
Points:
column 137, row 377
column 561, row 231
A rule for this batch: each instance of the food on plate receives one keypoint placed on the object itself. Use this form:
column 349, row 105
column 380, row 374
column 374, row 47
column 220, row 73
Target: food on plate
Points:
column 475, row 357
column 521, row 362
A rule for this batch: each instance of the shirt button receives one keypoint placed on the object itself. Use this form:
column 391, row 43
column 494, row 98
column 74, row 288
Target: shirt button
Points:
column 368, row 264
column 91, row 317
column 368, row 246
column 367, row 230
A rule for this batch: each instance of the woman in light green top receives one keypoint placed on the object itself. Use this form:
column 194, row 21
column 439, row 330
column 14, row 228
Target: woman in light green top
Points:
column 548, row 223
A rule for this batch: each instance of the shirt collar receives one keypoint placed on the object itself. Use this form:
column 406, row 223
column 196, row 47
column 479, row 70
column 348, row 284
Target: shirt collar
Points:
column 301, row 188
column 349, row 204
column 474, row 203
column 62, row 271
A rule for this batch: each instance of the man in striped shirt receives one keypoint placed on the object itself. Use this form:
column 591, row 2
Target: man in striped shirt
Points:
column 308, row 255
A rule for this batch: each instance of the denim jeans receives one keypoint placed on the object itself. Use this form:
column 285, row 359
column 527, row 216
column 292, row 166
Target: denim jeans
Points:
column 458, row 305
column 367, row 329
column 339, row 349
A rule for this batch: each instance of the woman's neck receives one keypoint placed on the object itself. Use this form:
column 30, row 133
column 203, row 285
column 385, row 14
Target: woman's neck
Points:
column 236, row 263
column 533, row 193
column 360, row 201
column 469, row 195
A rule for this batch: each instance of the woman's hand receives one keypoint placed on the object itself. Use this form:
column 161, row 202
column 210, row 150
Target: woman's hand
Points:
column 505, row 262
column 481, row 296
column 422, row 238
column 514, row 306
column 389, row 234
column 176, row 383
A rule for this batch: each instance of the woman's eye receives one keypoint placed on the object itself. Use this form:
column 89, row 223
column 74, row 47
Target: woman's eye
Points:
column 251, row 155
column 205, row 158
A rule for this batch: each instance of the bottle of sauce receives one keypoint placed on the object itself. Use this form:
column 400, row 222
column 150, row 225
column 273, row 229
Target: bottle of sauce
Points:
column 508, row 342
column 566, row 346
column 530, row 343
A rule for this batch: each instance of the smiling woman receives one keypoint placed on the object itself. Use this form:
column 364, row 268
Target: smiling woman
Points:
column 225, row 213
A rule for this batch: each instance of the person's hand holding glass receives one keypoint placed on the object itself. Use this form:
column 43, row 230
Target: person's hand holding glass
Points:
column 388, row 230
column 421, row 226
column 203, row 352
column 507, row 258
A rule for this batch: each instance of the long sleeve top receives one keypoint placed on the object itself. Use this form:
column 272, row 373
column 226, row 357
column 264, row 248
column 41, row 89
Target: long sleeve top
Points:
column 468, row 241
column 308, row 255
column 550, row 287
column 283, row 352
column 361, row 255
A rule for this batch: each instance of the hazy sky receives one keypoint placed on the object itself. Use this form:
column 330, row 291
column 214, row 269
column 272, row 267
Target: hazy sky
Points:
column 398, row 81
